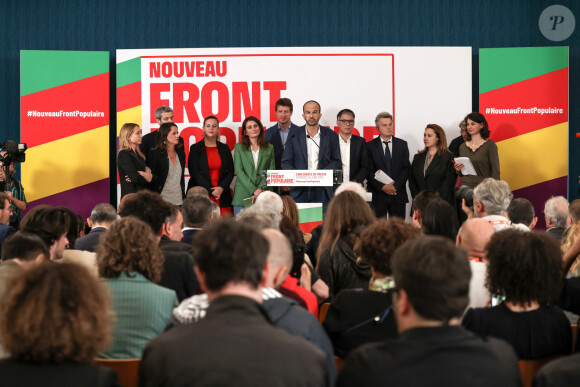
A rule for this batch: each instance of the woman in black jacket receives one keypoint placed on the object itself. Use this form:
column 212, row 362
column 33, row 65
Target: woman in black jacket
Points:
column 211, row 166
column 134, row 174
column 167, row 163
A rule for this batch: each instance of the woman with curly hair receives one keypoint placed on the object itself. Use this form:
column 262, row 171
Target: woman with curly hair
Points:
column 571, row 236
column 130, row 261
column 525, row 269
column 347, row 216
column 54, row 319
column 361, row 316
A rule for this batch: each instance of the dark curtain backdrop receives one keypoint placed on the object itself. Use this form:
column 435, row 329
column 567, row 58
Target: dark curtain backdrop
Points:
column 107, row 25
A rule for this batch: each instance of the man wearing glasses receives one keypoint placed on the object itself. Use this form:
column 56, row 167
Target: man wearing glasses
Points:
column 457, row 141
column 353, row 149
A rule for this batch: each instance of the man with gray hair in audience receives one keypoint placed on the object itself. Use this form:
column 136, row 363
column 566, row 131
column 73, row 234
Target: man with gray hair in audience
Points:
column 491, row 199
column 197, row 213
column 271, row 200
column 102, row 216
column 556, row 216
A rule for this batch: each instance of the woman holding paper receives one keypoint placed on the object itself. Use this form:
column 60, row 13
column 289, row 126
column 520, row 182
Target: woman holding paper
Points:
column 481, row 151
column 432, row 167
column 251, row 156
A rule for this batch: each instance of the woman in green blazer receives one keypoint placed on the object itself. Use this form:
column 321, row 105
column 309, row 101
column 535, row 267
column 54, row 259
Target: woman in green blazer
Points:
column 251, row 156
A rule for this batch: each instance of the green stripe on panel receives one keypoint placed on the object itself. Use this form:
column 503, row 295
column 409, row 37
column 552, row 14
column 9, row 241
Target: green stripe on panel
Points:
column 128, row 72
column 41, row 70
column 499, row 67
column 313, row 214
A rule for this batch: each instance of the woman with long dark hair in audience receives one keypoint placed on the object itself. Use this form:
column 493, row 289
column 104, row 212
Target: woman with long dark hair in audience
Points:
column 134, row 174
column 54, row 320
column 525, row 269
column 347, row 216
column 432, row 168
column 251, row 156
column 130, row 262
column 481, row 151
column 439, row 218
column 167, row 163
column 211, row 166
column 357, row 317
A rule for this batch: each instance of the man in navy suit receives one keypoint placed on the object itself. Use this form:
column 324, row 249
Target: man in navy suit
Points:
column 312, row 147
column 390, row 155
column 278, row 134
column 163, row 114
column 353, row 149
column 102, row 216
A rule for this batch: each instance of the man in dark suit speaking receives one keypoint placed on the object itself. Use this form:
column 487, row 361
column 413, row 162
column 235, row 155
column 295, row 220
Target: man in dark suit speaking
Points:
column 312, row 147
column 390, row 155
column 353, row 149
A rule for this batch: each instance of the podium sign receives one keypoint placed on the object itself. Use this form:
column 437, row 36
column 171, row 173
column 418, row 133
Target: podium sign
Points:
column 300, row 178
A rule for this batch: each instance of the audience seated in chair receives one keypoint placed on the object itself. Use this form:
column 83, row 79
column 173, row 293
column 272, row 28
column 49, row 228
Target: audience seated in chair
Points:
column 54, row 319
column 130, row 262
column 357, row 317
column 525, row 268
column 432, row 284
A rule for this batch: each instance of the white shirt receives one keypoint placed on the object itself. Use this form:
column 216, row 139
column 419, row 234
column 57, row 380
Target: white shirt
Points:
column 345, row 156
column 255, row 156
column 312, row 150
column 390, row 143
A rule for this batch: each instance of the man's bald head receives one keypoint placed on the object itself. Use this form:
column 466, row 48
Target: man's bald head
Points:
column 279, row 256
column 474, row 235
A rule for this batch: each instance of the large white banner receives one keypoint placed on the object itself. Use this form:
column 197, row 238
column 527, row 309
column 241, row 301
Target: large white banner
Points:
column 418, row 85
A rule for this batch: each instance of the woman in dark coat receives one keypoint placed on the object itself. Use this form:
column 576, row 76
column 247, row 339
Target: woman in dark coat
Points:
column 134, row 174
column 167, row 163
column 211, row 166
column 432, row 168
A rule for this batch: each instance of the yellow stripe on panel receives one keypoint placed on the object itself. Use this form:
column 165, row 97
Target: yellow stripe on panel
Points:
column 534, row 157
column 67, row 163
column 129, row 115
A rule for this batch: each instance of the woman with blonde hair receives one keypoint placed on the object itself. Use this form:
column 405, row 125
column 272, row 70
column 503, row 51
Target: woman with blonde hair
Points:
column 571, row 236
column 134, row 174
column 54, row 319
column 347, row 216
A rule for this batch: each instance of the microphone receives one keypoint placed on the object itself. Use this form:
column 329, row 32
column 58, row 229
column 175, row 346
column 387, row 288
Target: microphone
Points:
column 324, row 153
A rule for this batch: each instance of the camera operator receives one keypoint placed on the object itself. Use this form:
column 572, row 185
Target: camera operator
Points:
column 13, row 189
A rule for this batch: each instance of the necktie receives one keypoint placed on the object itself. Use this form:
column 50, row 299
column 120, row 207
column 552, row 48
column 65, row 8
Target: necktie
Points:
column 388, row 157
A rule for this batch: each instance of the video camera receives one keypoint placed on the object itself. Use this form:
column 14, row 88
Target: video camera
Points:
column 12, row 152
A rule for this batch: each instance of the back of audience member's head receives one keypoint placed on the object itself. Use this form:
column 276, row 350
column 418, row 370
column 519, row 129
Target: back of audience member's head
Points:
column 570, row 237
column 128, row 247
column 269, row 199
column 103, row 214
column 280, row 258
column 216, row 211
column 196, row 210
column 287, row 228
column 524, row 266
column 435, row 275
column 423, row 198
column 25, row 247
column 574, row 212
column 556, row 210
column 55, row 314
column 230, row 252
column 48, row 222
column 149, row 207
column 352, row 186
column 379, row 241
column 197, row 190
column 522, row 211
column 74, row 231
column 259, row 219
column 494, row 195
column 439, row 218
column 264, row 209
column 474, row 235
column 291, row 210
column 123, row 200
column 347, row 215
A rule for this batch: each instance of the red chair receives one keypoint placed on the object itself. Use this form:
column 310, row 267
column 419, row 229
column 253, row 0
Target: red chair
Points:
column 127, row 369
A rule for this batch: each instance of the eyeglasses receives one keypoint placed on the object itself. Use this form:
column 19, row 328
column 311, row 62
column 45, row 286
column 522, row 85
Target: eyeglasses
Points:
column 350, row 122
